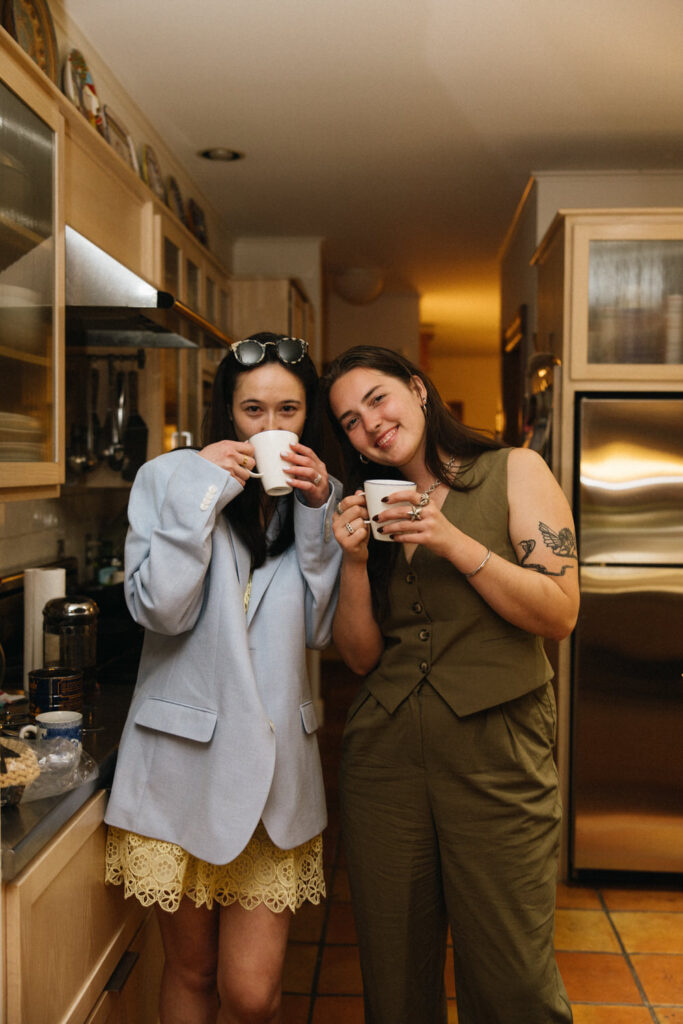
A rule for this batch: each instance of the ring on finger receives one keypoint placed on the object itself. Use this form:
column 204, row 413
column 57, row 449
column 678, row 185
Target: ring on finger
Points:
column 339, row 509
column 317, row 478
column 349, row 528
column 245, row 461
column 415, row 513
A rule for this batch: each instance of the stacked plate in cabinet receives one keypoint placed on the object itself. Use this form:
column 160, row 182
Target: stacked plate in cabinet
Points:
column 21, row 438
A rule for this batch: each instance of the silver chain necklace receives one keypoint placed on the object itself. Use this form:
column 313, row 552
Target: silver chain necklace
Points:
column 437, row 483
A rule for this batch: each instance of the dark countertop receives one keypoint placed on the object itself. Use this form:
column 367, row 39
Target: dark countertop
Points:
column 28, row 827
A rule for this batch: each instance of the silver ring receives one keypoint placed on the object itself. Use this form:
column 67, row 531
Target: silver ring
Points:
column 349, row 528
column 339, row 509
column 424, row 499
column 415, row 513
column 317, row 478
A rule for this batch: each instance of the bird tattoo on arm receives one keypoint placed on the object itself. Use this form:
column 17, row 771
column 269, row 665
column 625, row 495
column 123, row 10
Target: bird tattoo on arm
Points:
column 562, row 544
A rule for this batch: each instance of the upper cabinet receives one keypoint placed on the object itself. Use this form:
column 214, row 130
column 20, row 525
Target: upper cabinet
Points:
column 271, row 304
column 610, row 300
column 31, row 288
column 184, row 268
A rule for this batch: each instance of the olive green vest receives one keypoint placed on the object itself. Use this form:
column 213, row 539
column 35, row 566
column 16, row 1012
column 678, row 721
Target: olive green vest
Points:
column 438, row 628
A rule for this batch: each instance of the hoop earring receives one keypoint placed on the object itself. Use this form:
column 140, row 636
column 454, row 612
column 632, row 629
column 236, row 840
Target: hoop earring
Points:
column 363, row 459
column 423, row 406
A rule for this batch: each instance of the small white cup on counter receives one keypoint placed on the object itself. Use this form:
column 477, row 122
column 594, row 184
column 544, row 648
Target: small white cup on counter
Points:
column 56, row 725
column 375, row 490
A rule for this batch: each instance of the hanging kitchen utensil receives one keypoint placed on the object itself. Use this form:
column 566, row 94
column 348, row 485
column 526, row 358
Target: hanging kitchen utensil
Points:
column 109, row 425
column 116, row 457
column 76, row 455
column 135, row 434
column 90, row 453
column 96, row 426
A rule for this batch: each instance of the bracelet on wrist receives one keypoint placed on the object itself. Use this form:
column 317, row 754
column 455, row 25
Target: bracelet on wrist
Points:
column 469, row 575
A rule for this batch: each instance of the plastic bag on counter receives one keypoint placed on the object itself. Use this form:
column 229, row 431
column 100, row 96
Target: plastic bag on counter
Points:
column 63, row 766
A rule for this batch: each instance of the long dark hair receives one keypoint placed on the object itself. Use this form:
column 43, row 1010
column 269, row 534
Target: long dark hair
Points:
column 444, row 433
column 243, row 512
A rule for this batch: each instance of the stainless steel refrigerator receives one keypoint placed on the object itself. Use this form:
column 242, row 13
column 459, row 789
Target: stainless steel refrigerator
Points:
column 626, row 794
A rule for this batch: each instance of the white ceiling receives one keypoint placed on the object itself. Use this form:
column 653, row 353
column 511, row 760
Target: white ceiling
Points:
column 403, row 131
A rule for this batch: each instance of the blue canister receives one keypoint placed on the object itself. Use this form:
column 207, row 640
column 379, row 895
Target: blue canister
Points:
column 55, row 689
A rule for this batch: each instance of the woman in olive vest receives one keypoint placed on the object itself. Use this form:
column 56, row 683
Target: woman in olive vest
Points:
column 450, row 803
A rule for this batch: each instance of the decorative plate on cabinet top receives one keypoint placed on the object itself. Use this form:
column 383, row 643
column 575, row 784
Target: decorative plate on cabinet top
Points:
column 119, row 138
column 174, row 198
column 30, row 23
column 80, row 88
column 196, row 222
column 151, row 173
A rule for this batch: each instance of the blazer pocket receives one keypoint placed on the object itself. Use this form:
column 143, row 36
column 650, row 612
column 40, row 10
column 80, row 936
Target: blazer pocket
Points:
column 309, row 718
column 177, row 719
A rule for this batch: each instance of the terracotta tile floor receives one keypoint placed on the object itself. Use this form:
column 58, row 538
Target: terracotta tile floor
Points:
column 619, row 947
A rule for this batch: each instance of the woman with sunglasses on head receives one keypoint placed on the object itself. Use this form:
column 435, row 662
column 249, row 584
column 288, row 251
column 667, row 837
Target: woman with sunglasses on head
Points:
column 217, row 805
column 450, row 804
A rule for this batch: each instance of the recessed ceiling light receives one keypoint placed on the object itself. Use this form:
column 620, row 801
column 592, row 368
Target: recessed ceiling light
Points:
column 221, row 153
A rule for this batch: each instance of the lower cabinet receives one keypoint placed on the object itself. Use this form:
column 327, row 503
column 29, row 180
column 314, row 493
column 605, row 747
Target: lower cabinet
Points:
column 76, row 952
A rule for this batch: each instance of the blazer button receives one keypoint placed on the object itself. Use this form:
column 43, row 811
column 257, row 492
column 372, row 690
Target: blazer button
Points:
column 424, row 634
column 424, row 667
column 411, row 577
column 417, row 607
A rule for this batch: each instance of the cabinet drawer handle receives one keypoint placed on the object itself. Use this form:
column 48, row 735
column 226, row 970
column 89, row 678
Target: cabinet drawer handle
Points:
column 121, row 972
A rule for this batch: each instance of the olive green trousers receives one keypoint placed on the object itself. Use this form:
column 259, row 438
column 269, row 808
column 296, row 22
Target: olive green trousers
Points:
column 454, row 822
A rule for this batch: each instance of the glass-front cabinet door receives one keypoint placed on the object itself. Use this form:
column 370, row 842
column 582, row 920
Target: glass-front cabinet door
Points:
column 31, row 289
column 626, row 298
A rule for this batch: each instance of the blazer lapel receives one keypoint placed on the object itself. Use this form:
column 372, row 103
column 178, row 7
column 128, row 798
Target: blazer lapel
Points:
column 242, row 559
column 260, row 583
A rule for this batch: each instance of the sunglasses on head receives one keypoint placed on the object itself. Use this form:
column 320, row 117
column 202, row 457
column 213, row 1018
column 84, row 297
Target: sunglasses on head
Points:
column 251, row 352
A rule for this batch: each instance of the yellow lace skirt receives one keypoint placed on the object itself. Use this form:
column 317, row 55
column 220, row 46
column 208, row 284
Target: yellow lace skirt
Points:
column 158, row 872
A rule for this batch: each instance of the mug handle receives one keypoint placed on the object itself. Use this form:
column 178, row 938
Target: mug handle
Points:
column 28, row 731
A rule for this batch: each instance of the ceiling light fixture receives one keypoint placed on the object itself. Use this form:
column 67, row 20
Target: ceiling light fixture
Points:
column 359, row 285
column 221, row 153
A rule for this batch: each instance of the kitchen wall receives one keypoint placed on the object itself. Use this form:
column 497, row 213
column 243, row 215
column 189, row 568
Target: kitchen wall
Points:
column 37, row 532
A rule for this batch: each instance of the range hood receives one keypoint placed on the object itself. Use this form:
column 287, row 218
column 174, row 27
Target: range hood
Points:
column 108, row 305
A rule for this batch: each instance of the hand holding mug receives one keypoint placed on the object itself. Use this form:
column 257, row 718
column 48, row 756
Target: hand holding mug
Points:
column 350, row 526
column 237, row 457
column 308, row 474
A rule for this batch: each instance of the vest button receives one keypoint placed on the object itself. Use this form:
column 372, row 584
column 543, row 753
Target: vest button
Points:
column 424, row 634
column 417, row 607
column 411, row 577
column 424, row 667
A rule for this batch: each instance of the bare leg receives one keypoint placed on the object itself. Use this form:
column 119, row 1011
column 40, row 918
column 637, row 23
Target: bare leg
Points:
column 188, row 986
column 252, row 946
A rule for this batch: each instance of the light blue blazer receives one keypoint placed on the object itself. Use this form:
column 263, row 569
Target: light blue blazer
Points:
column 221, row 728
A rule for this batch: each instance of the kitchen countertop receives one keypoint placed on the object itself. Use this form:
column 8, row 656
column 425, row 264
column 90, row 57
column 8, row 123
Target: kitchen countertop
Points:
column 28, row 827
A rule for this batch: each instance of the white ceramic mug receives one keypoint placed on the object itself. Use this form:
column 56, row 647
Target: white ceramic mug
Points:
column 375, row 490
column 268, row 448
column 55, row 725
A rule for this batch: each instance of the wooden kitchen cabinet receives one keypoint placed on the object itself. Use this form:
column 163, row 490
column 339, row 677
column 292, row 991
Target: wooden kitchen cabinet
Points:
column 58, row 914
column 134, row 997
column 610, row 299
column 184, row 268
column 31, row 284
column 271, row 304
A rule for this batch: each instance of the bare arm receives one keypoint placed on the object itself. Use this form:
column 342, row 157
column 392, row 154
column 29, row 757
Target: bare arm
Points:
column 541, row 594
column 355, row 631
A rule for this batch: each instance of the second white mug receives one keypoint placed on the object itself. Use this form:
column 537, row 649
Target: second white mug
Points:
column 375, row 490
